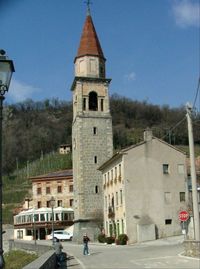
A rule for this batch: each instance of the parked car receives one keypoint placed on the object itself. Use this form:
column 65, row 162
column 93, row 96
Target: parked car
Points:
column 61, row 235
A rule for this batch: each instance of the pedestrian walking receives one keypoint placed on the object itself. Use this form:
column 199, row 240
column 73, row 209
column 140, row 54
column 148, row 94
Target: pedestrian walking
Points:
column 58, row 251
column 86, row 239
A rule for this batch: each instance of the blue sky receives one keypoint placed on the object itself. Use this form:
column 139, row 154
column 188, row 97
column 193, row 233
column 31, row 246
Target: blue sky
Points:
column 151, row 46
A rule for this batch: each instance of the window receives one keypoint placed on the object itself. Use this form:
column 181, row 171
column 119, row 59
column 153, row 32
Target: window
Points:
column 182, row 196
column 28, row 232
column 165, row 168
column 42, row 217
column 39, row 190
column 39, row 204
column 71, row 188
column 48, row 204
column 96, row 189
column 113, row 202
column 94, row 130
column 118, row 230
column 92, row 65
column 84, row 103
column 181, row 169
column 59, row 189
column 102, row 73
column 120, row 170
column 19, row 234
column 115, row 172
column 116, row 198
column 105, row 179
column 48, row 190
column 93, row 103
column 95, row 159
column 121, row 197
column 57, row 216
column 168, row 221
column 167, row 197
column 71, row 201
column 112, row 174
column 102, row 104
column 36, row 217
column 122, row 222
column 59, row 203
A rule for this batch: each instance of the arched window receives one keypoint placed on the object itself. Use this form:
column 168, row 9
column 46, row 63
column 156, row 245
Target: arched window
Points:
column 93, row 101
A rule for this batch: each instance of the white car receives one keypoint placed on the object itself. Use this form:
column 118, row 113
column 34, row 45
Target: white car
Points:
column 61, row 235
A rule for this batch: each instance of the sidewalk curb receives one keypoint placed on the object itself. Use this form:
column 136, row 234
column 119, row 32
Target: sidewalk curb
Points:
column 188, row 257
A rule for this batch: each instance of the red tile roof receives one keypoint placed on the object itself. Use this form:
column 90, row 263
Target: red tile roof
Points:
column 89, row 43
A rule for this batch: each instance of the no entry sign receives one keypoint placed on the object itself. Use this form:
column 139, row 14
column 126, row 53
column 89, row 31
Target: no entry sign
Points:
column 183, row 215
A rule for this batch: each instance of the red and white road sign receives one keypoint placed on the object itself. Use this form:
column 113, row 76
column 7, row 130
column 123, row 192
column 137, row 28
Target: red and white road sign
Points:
column 183, row 215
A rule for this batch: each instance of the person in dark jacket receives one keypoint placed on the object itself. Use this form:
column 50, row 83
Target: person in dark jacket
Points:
column 86, row 239
column 58, row 251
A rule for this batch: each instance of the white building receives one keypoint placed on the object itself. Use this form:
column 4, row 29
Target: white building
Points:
column 29, row 223
column 144, row 190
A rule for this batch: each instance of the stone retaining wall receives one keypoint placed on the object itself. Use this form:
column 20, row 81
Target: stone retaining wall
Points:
column 192, row 248
column 47, row 257
column 20, row 244
column 45, row 261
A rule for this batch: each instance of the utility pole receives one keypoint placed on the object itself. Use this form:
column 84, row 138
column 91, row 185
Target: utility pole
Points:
column 193, row 175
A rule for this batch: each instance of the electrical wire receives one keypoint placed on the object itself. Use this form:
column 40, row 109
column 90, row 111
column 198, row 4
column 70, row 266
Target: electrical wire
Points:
column 174, row 127
column 198, row 84
column 197, row 92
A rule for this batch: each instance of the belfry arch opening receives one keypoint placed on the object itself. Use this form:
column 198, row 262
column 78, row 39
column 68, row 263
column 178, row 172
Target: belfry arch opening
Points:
column 93, row 101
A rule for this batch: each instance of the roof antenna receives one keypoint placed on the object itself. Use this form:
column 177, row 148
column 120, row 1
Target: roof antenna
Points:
column 88, row 3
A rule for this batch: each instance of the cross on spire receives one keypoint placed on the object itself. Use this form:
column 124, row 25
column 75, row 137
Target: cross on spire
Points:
column 88, row 3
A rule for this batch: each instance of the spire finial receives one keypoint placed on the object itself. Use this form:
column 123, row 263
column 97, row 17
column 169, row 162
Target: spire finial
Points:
column 88, row 3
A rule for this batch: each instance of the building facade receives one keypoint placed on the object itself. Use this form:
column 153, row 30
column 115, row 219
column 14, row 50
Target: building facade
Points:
column 144, row 189
column 64, row 149
column 92, row 139
column 36, row 217
column 57, row 184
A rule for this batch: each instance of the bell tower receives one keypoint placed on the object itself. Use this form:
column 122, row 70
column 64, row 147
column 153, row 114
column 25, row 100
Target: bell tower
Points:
column 92, row 138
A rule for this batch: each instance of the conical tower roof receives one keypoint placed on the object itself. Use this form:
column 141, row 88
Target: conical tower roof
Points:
column 89, row 43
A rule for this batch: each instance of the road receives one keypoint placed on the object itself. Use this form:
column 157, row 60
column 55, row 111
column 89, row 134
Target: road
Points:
column 158, row 254
column 147, row 255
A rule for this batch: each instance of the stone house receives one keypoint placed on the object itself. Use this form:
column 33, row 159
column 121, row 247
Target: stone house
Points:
column 64, row 149
column 144, row 190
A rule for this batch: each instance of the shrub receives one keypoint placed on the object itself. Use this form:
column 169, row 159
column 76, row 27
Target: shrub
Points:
column 122, row 239
column 102, row 238
column 110, row 240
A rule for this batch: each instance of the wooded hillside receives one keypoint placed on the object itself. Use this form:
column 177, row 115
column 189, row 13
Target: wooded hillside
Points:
column 35, row 128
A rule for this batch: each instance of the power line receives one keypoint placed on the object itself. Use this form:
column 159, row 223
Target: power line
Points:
column 197, row 91
column 174, row 127
column 198, row 84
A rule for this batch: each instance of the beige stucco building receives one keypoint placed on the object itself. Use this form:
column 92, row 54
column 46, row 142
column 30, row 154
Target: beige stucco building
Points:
column 144, row 190
column 57, row 184
column 35, row 219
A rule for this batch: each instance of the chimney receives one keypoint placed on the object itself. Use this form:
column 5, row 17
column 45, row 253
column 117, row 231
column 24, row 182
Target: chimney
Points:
column 148, row 135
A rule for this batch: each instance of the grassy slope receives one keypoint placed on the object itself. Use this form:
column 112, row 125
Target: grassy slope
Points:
column 17, row 185
column 17, row 259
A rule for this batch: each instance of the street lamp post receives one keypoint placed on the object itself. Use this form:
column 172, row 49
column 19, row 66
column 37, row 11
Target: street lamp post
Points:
column 52, row 204
column 34, row 229
column 6, row 70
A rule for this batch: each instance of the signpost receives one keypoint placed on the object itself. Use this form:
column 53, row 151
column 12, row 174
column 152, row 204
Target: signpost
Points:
column 183, row 215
